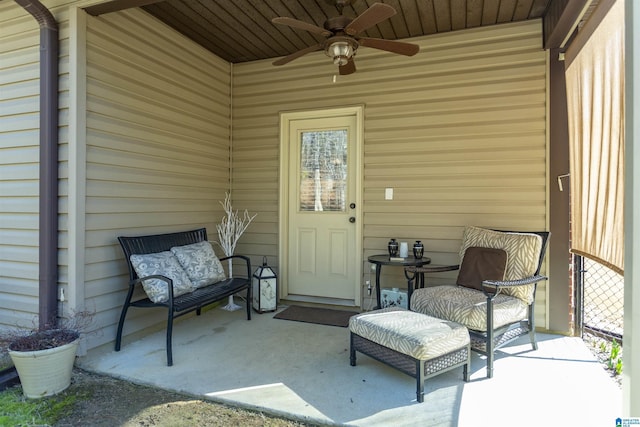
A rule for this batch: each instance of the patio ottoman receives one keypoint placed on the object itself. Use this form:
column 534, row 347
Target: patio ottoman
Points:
column 421, row 346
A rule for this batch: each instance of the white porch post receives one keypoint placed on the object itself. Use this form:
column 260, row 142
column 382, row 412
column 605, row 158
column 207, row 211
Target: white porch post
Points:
column 631, row 370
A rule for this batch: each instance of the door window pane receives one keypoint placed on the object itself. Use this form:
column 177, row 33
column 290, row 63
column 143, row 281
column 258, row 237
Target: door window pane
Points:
column 323, row 170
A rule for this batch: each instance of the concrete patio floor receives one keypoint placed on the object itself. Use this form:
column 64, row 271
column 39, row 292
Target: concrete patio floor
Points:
column 301, row 371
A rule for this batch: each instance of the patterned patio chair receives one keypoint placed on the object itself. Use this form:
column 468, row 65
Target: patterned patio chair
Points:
column 494, row 295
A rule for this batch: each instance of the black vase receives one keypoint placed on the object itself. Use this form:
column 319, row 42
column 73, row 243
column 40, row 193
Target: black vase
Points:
column 418, row 250
column 393, row 248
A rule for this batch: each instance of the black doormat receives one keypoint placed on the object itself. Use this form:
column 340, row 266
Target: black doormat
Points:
column 321, row 316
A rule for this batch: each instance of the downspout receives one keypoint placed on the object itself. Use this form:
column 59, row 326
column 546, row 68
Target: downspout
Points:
column 48, row 240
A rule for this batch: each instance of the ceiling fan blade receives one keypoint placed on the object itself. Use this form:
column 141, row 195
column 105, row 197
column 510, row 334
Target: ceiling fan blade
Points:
column 298, row 54
column 377, row 13
column 348, row 68
column 402, row 48
column 301, row 25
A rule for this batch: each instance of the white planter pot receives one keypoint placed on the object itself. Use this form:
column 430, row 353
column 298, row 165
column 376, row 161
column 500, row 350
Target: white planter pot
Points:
column 45, row 372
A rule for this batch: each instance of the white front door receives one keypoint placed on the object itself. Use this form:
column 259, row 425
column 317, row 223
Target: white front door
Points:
column 322, row 205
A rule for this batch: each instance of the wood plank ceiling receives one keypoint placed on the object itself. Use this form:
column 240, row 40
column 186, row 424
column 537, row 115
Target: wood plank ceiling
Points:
column 241, row 30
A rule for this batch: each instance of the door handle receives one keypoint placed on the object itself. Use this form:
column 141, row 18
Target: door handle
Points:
column 352, row 219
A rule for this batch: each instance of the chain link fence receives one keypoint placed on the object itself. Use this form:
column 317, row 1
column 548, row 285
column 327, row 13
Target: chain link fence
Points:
column 601, row 300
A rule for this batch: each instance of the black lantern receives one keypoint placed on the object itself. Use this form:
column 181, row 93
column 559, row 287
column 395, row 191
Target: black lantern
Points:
column 265, row 288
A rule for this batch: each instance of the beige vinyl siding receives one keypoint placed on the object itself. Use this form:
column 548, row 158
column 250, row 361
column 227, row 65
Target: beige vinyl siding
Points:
column 19, row 160
column 459, row 132
column 149, row 154
column 157, row 148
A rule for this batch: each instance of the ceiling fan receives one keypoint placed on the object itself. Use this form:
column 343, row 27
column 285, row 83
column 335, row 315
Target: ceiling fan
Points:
column 342, row 40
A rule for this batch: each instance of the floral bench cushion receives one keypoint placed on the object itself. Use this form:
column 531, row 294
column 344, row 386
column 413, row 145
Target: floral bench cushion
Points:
column 200, row 263
column 189, row 267
column 467, row 306
column 417, row 335
column 165, row 264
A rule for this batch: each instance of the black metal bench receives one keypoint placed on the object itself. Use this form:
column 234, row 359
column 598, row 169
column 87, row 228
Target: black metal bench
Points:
column 183, row 304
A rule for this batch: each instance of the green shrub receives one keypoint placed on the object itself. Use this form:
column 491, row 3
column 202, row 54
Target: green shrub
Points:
column 614, row 361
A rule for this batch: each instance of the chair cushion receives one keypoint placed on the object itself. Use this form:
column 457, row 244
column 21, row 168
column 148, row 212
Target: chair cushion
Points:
column 200, row 262
column 467, row 306
column 165, row 264
column 523, row 253
column 414, row 334
column 481, row 264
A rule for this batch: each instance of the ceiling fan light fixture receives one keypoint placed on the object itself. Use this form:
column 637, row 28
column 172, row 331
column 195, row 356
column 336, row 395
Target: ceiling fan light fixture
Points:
column 340, row 52
column 344, row 35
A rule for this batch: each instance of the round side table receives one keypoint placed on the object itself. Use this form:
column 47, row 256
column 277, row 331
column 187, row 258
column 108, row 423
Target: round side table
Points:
column 380, row 260
column 417, row 273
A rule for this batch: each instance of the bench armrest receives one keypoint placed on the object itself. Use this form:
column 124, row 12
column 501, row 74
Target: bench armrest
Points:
column 165, row 279
column 139, row 280
column 243, row 258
